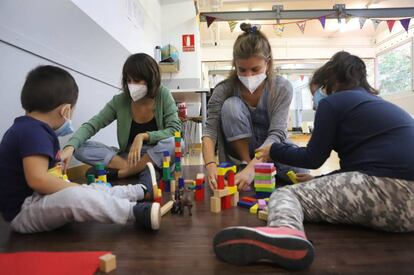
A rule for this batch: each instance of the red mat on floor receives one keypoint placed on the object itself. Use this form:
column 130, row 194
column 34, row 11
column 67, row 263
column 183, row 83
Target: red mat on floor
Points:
column 56, row 263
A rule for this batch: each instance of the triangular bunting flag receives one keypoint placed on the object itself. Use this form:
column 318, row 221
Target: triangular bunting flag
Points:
column 210, row 20
column 232, row 25
column 322, row 20
column 301, row 26
column 347, row 18
column 405, row 23
column 362, row 22
column 375, row 22
column 279, row 29
column 302, row 77
column 390, row 24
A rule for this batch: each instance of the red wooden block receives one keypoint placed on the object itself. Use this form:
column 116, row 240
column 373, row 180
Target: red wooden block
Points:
column 162, row 185
column 264, row 170
column 178, row 144
column 225, row 202
column 177, row 154
column 199, row 195
column 220, row 183
column 248, row 199
column 230, row 178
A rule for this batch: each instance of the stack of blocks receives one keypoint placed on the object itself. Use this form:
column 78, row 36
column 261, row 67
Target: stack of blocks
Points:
column 100, row 173
column 199, row 187
column 224, row 196
column 264, row 179
column 177, row 155
column 166, row 174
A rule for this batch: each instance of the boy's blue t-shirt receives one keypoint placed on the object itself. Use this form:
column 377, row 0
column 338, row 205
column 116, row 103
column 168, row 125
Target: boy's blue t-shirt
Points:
column 370, row 134
column 26, row 137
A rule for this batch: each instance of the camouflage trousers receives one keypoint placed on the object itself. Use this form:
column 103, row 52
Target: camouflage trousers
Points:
column 345, row 198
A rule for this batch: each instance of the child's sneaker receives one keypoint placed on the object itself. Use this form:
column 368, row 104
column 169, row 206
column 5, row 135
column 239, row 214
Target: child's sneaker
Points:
column 148, row 215
column 286, row 247
column 150, row 183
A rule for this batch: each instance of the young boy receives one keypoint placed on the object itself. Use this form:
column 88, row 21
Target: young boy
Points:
column 32, row 199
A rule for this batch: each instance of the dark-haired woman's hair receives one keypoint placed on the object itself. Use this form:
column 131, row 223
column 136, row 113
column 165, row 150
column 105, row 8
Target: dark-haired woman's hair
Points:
column 252, row 42
column 141, row 66
column 342, row 72
column 48, row 87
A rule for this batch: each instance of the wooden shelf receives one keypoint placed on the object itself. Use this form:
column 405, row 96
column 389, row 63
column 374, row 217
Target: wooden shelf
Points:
column 169, row 67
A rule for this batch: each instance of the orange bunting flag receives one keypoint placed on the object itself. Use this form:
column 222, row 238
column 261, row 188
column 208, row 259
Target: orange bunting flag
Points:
column 390, row 24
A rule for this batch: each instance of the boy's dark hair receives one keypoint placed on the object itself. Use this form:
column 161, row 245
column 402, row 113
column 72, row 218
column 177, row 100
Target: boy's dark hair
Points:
column 141, row 66
column 342, row 72
column 47, row 87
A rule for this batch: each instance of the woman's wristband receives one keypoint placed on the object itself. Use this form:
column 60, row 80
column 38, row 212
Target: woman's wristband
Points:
column 208, row 163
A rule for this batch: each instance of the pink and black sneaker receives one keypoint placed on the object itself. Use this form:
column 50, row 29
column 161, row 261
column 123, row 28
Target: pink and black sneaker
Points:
column 283, row 246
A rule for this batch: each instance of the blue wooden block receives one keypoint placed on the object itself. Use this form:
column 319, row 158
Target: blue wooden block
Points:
column 245, row 204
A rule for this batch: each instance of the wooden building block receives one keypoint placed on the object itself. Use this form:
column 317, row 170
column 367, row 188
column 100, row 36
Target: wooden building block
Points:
column 263, row 215
column 166, row 207
column 107, row 263
column 254, row 209
column 226, row 202
column 220, row 193
column 235, row 199
column 231, row 189
column 215, row 205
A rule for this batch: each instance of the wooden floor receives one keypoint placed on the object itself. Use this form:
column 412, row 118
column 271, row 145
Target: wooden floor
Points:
column 183, row 245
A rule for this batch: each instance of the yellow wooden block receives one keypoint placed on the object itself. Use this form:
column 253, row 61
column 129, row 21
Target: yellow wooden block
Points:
column 165, row 164
column 177, row 134
column 263, row 215
column 56, row 171
column 292, row 176
column 215, row 205
column 254, row 208
column 107, row 263
column 258, row 155
column 261, row 185
column 102, row 178
column 231, row 189
column 235, row 199
column 221, row 193
column 221, row 171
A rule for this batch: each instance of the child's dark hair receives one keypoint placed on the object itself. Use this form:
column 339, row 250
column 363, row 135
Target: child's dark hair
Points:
column 342, row 72
column 47, row 87
column 141, row 66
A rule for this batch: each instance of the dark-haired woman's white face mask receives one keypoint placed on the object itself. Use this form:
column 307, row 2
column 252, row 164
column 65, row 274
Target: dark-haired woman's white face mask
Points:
column 137, row 91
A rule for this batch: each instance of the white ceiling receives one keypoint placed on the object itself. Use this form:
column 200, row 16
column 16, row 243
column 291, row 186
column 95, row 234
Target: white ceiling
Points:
column 220, row 30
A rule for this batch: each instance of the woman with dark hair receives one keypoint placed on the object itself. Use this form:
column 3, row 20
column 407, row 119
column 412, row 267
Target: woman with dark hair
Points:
column 146, row 116
column 374, row 187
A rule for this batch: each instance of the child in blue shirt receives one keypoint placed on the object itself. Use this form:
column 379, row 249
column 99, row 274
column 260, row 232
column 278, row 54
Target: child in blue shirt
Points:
column 32, row 199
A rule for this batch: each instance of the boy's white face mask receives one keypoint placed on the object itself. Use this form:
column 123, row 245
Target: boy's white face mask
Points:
column 137, row 91
column 252, row 82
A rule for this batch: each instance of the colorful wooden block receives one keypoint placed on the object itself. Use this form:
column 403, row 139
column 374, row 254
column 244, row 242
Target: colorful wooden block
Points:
column 107, row 263
column 254, row 209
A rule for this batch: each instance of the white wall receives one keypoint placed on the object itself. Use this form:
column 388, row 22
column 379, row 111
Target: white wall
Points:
column 40, row 32
column 178, row 18
column 134, row 24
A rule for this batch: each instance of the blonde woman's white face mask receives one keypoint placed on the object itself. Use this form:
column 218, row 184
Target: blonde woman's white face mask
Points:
column 252, row 82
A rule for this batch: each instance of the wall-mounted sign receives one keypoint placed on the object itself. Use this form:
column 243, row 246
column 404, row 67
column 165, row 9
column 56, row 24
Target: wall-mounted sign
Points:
column 188, row 43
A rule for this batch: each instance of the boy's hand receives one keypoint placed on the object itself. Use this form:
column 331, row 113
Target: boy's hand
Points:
column 66, row 156
column 263, row 153
column 134, row 154
column 302, row 177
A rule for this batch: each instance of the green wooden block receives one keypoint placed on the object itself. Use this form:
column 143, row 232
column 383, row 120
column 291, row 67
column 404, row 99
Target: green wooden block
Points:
column 269, row 177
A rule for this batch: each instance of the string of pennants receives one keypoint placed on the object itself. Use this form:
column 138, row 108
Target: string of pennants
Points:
column 280, row 27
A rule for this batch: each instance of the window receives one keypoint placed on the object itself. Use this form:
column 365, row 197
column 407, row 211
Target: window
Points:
column 394, row 70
